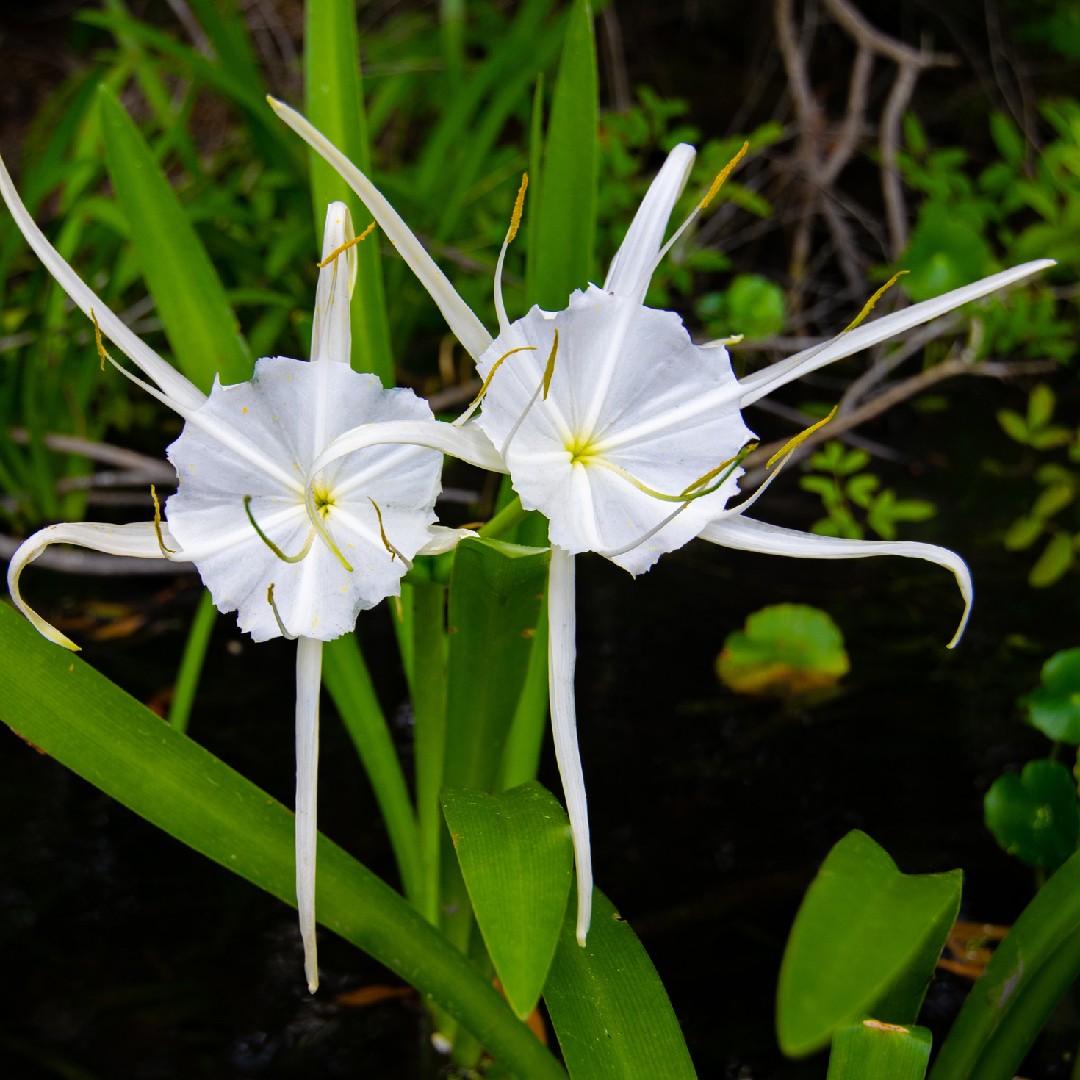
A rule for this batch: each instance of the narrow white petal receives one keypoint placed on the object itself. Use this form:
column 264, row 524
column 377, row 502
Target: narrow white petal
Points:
column 468, row 329
column 331, row 332
column 139, row 540
column 862, row 337
column 308, row 677
column 633, row 263
column 468, row 443
column 562, row 651
column 444, row 539
column 181, row 395
column 747, row 534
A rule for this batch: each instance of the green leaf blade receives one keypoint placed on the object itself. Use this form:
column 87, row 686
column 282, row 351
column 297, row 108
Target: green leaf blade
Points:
column 187, row 292
column 516, row 856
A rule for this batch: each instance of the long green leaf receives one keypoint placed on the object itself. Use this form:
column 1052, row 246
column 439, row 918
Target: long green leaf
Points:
column 607, row 1003
column 334, row 103
column 69, row 711
column 516, row 856
column 187, row 292
column 865, row 940
column 566, row 209
column 871, row 1050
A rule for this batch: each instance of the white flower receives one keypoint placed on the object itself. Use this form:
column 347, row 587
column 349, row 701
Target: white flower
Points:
column 625, row 434
column 295, row 548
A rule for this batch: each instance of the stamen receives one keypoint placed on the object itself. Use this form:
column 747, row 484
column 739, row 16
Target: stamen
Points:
column 165, row 551
column 733, row 462
column 487, row 382
column 270, row 543
column 102, row 353
column 341, row 248
column 869, row 305
column 316, row 520
column 277, row 618
column 549, row 369
column 394, row 553
column 519, row 205
column 690, row 493
column 722, row 175
column 792, row 444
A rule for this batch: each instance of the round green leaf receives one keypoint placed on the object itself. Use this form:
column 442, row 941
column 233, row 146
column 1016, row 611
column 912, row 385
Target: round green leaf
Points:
column 944, row 253
column 1035, row 816
column 1054, row 708
column 784, row 650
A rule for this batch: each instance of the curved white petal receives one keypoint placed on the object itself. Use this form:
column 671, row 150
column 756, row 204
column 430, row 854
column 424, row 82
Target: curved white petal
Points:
column 562, row 651
column 468, row 329
column 871, row 333
column 444, row 539
column 331, row 331
column 468, row 442
column 180, row 395
column 139, row 540
column 747, row 534
column 634, row 261
column 308, row 678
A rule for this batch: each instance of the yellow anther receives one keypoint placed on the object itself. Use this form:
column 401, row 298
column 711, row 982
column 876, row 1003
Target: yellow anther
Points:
column 101, row 351
column 869, row 305
column 692, row 492
column 491, row 375
column 722, row 175
column 394, row 553
column 791, row 444
column 519, row 205
column 549, row 368
column 165, row 551
column 270, row 543
column 345, row 247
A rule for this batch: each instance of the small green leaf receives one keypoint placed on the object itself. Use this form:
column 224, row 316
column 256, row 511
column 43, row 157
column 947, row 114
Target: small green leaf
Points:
column 1055, row 559
column 1035, row 816
column 516, row 856
column 786, row 649
column 187, row 292
column 865, row 940
column 1022, row 533
column 1014, row 425
column 871, row 1050
column 1054, row 708
column 1040, row 407
column 755, row 306
column 608, row 1006
column 1052, row 499
column 944, row 253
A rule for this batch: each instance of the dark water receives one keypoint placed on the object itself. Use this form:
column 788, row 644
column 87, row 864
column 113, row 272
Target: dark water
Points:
column 127, row 957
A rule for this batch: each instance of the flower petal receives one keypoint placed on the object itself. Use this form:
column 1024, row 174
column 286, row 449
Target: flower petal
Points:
column 308, row 681
column 331, row 331
column 562, row 651
column 444, row 539
column 139, row 540
column 747, row 534
column 468, row 329
column 634, row 261
column 180, row 395
column 862, row 337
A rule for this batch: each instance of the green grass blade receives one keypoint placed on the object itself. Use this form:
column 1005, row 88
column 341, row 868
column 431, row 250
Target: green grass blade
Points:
column 516, row 856
column 346, row 677
column 607, row 1003
column 191, row 663
column 69, row 711
column 186, row 289
column 865, row 940
column 566, row 209
column 334, row 103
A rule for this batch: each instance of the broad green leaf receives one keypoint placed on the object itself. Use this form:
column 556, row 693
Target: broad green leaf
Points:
column 516, row 856
column 69, row 711
column 865, row 940
column 1030, row 972
column 608, row 1006
column 495, row 596
column 334, row 103
column 1054, row 708
column 784, row 650
column 566, row 208
column 871, row 1050
column 944, row 253
column 187, row 292
column 1035, row 816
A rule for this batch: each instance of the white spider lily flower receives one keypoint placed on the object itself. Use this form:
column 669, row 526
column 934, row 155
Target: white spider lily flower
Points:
column 623, row 432
column 295, row 547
